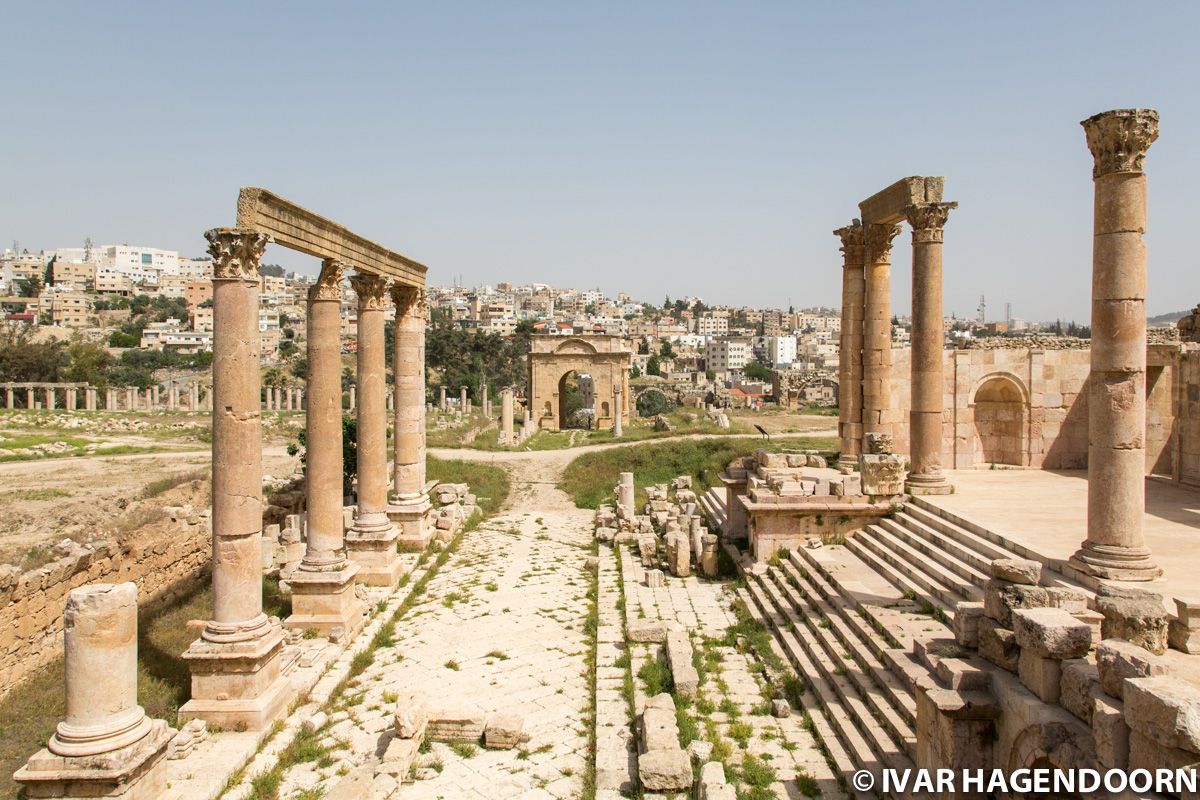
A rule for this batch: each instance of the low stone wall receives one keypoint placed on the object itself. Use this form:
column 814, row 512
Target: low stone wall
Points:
column 164, row 560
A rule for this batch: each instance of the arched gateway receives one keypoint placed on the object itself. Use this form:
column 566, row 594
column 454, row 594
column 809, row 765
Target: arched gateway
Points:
column 604, row 359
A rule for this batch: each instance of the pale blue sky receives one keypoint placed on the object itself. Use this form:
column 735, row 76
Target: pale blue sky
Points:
column 653, row 147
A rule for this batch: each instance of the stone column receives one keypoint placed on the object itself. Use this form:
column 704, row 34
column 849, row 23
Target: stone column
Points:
column 323, row 595
column 462, row 400
column 850, row 355
column 371, row 542
column 625, row 491
column 353, row 399
column 1115, row 548
column 235, row 664
column 928, row 343
column 50, row 398
column 70, row 401
column 131, row 399
column 877, row 328
column 442, row 399
column 29, row 399
column 618, row 420
column 409, row 507
column 10, row 398
column 149, row 400
column 195, row 396
column 506, row 417
column 105, row 745
column 483, row 400
column 391, row 400
column 154, row 391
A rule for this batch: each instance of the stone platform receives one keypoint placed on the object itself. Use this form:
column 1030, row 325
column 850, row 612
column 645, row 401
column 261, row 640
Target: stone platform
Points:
column 1045, row 513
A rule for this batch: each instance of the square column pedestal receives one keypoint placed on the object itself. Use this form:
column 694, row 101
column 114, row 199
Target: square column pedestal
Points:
column 412, row 519
column 372, row 548
column 326, row 601
column 238, row 685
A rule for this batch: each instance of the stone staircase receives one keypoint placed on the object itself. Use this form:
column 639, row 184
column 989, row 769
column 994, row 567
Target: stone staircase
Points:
column 939, row 558
column 712, row 504
column 855, row 648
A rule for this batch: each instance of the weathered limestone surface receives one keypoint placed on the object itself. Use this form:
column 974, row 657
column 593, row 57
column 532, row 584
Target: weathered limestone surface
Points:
column 410, row 506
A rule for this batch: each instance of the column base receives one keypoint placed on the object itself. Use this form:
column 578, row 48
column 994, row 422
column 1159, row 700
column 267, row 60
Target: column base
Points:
column 411, row 517
column 238, row 685
column 928, row 485
column 325, row 601
column 371, row 545
column 1115, row 563
column 133, row 772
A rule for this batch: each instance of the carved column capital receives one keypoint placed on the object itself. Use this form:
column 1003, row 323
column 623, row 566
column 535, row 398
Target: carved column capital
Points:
column 928, row 220
column 877, row 241
column 371, row 290
column 329, row 282
column 236, row 253
column 852, row 237
column 409, row 301
column 1120, row 138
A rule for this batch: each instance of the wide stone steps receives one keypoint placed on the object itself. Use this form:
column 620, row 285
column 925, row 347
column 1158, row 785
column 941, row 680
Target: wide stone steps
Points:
column 712, row 503
column 962, row 561
column 887, row 696
column 856, row 708
column 992, row 545
column 907, row 570
column 845, row 746
column 943, row 569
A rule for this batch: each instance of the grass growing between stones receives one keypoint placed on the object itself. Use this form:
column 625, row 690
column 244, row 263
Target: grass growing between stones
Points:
column 592, row 631
column 489, row 484
column 588, row 480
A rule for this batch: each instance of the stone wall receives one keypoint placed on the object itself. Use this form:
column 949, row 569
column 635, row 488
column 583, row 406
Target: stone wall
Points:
column 164, row 560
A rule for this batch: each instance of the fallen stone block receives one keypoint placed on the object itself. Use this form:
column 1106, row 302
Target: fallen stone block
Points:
column 399, row 757
column 659, row 729
column 665, row 770
column 679, row 658
column 966, row 623
column 1118, row 660
column 1042, row 676
column 998, row 645
column 504, row 732
column 1001, row 597
column 1021, row 571
column 1110, row 732
column 700, row 751
column 1166, row 710
column 646, row 631
column 655, row 578
column 456, row 725
column 1183, row 638
column 1080, row 688
column 781, row 708
column 1140, row 619
column 411, row 717
column 1051, row 633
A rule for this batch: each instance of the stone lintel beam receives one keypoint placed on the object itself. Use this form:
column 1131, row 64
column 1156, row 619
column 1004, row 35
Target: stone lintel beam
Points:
column 889, row 204
column 298, row 228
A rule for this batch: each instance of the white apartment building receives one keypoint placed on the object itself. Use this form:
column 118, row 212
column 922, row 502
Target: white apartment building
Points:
column 726, row 355
column 779, row 351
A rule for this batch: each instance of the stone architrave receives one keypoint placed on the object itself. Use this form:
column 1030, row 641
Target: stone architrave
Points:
column 850, row 359
column 927, row 400
column 371, row 541
column 410, row 507
column 877, row 327
column 235, row 664
column 1115, row 547
column 323, row 596
column 106, row 745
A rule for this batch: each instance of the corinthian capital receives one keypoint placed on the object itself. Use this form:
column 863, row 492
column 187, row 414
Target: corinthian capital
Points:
column 329, row 282
column 928, row 220
column 852, row 243
column 236, row 253
column 1120, row 138
column 409, row 301
column 877, row 241
column 371, row 290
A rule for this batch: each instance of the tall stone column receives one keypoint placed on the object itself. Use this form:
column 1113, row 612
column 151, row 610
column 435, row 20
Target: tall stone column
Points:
column 50, row 399
column 618, row 413
column 1115, row 548
column 410, row 504
column 30, row 402
column 928, row 343
column 323, row 595
column 462, row 400
column 371, row 542
column 353, row 398
column 235, row 664
column 877, row 328
column 506, row 417
column 850, row 356
column 484, row 403
column 105, row 745
column 442, row 406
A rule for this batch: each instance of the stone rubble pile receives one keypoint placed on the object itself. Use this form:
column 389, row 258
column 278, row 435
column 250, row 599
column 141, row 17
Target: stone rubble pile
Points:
column 670, row 531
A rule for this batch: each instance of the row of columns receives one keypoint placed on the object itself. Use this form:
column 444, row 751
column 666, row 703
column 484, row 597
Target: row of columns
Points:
column 88, row 398
column 235, row 662
column 865, row 361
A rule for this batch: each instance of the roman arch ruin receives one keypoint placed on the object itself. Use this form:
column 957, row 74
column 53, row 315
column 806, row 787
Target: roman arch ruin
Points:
column 235, row 664
column 552, row 359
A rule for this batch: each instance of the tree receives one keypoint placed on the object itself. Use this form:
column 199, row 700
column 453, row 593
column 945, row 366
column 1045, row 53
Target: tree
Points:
column 271, row 270
column 667, row 303
column 666, row 351
column 652, row 366
column 23, row 359
column 89, row 362
column 710, row 375
column 643, row 346
column 29, row 287
column 635, row 372
column 757, row 371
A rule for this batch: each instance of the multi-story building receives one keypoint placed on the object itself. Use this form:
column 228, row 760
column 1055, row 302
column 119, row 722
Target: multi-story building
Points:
column 110, row 281
column 778, row 351
column 726, row 355
column 712, row 326
column 70, row 309
column 80, row 274
column 196, row 292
